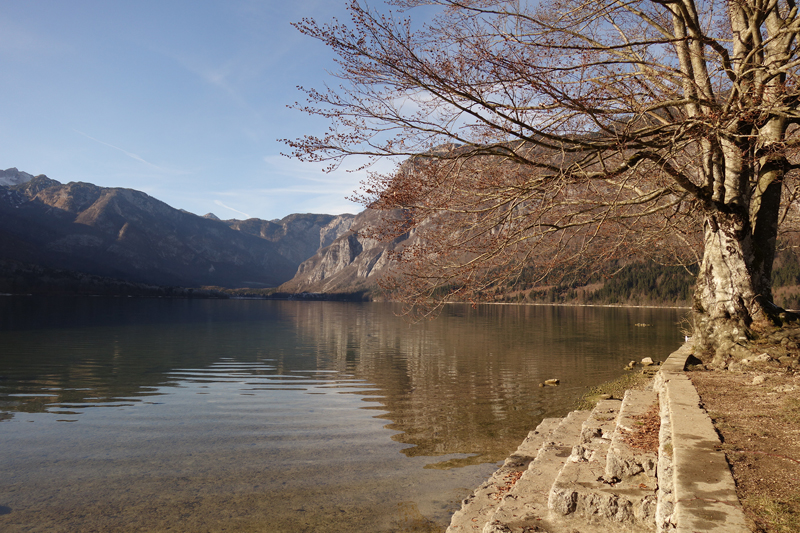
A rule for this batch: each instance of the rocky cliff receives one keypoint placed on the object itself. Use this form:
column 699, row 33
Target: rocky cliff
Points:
column 11, row 176
column 350, row 263
column 298, row 236
column 127, row 234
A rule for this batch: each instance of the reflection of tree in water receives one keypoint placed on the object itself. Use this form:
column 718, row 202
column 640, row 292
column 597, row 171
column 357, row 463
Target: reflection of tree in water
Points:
column 467, row 382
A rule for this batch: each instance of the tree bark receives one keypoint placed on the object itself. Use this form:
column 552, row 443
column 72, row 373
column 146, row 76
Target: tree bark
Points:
column 733, row 291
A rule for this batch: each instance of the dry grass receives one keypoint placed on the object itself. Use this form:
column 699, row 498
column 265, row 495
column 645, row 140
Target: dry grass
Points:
column 777, row 516
column 616, row 388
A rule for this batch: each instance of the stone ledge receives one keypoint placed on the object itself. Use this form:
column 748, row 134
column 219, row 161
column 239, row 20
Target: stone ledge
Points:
column 525, row 507
column 696, row 491
column 481, row 505
column 624, row 460
column 703, row 491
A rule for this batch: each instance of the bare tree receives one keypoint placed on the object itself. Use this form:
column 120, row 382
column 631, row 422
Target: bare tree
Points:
column 560, row 132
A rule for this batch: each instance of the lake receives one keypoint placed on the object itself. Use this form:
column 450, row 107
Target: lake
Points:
column 123, row 414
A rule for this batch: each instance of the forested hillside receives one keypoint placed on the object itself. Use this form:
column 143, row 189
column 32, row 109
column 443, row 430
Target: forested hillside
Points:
column 638, row 283
column 642, row 283
column 786, row 279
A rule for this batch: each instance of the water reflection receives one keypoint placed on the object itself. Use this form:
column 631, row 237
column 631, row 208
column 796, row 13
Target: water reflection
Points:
column 120, row 414
column 467, row 382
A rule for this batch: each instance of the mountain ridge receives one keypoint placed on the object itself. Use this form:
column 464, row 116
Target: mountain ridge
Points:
column 12, row 176
column 49, row 229
column 127, row 234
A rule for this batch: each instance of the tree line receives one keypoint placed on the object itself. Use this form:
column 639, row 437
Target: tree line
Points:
column 570, row 134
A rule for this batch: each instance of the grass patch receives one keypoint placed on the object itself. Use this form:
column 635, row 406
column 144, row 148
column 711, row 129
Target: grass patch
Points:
column 773, row 515
column 668, row 449
column 790, row 412
column 616, row 388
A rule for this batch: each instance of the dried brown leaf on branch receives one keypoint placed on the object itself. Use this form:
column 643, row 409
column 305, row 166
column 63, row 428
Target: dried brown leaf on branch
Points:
column 558, row 135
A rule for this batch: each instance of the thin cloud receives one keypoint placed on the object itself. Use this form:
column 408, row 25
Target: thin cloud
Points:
column 345, row 176
column 232, row 209
column 222, row 77
column 21, row 43
column 339, row 190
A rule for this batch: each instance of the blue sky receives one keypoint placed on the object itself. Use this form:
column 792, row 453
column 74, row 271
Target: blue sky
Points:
column 184, row 100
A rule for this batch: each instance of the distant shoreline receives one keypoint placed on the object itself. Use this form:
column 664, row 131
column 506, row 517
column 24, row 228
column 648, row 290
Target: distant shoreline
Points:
column 199, row 293
column 587, row 305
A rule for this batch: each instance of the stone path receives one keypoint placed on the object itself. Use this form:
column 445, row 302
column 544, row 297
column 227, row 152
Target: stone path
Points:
column 579, row 475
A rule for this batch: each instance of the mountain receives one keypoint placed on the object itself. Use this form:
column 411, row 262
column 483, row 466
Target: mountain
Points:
column 12, row 176
column 126, row 234
column 350, row 263
column 60, row 238
column 298, row 237
column 353, row 264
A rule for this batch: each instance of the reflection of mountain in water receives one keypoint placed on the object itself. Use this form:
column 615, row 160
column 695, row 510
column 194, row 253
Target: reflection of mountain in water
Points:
column 468, row 382
column 106, row 351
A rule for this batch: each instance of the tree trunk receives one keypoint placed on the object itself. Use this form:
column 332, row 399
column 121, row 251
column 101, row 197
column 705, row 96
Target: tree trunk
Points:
column 733, row 290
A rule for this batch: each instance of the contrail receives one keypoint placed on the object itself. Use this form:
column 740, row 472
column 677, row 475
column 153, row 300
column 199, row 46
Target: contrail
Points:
column 232, row 209
column 129, row 154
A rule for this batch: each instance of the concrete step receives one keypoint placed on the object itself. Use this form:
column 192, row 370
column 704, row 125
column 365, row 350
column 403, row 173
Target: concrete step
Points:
column 601, row 481
column 524, row 507
column 698, row 491
column 623, row 460
column 479, row 507
column 607, row 485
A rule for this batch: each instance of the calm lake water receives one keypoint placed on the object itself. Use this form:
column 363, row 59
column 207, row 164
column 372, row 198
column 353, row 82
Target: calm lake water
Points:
column 249, row 415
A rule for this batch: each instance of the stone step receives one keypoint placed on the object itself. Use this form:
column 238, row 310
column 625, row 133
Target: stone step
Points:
column 697, row 491
column 607, row 485
column 524, row 507
column 479, row 507
column 625, row 461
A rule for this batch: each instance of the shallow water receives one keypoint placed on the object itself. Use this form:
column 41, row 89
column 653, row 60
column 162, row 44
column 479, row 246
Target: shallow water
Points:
column 242, row 415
